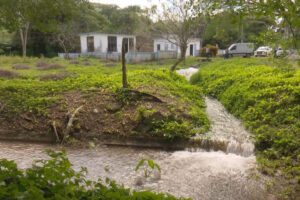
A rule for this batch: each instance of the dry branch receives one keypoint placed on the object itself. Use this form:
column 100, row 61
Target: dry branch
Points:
column 55, row 131
column 70, row 123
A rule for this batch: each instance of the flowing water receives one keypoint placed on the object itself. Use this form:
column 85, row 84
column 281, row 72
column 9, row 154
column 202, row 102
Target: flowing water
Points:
column 198, row 175
column 225, row 128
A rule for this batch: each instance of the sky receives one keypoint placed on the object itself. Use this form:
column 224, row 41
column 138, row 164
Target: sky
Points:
column 125, row 3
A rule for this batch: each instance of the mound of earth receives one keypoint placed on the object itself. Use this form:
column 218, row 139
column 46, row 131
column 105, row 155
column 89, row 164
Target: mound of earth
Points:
column 97, row 114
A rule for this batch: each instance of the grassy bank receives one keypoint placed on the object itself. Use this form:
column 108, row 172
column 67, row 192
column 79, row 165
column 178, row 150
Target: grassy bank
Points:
column 37, row 92
column 266, row 96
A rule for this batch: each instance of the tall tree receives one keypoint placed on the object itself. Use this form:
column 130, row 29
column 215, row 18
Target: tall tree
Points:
column 121, row 20
column 85, row 19
column 284, row 13
column 177, row 24
column 42, row 15
column 224, row 29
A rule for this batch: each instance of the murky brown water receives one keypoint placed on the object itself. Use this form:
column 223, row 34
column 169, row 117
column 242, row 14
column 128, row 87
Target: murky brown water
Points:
column 199, row 175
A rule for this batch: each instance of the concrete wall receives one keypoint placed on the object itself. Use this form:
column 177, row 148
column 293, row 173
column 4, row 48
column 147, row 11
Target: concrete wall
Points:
column 101, row 42
column 149, row 56
column 140, row 57
column 167, row 54
column 131, row 57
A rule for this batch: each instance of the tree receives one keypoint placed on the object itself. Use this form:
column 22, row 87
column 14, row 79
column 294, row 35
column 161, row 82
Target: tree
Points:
column 85, row 19
column 284, row 13
column 178, row 24
column 223, row 29
column 121, row 20
column 42, row 15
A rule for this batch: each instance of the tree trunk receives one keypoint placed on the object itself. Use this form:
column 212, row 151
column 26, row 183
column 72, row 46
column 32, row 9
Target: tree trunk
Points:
column 182, row 57
column 124, row 71
column 24, row 37
column 177, row 63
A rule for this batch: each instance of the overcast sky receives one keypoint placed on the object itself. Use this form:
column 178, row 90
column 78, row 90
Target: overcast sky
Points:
column 125, row 3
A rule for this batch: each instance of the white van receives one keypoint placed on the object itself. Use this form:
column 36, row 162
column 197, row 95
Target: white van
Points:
column 241, row 49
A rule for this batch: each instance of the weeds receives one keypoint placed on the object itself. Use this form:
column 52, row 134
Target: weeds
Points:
column 267, row 99
column 149, row 168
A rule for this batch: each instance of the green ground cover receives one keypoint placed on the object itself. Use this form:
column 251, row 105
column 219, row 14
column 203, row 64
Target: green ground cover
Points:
column 265, row 95
column 39, row 84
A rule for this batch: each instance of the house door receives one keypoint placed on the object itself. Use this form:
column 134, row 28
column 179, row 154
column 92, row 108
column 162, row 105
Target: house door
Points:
column 158, row 47
column 112, row 44
column 191, row 50
column 90, row 44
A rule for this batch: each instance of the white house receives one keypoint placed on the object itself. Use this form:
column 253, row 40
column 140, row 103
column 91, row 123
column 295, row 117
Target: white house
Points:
column 193, row 48
column 106, row 43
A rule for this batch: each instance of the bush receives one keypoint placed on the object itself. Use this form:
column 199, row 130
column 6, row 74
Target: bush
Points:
column 265, row 98
column 213, row 50
column 55, row 179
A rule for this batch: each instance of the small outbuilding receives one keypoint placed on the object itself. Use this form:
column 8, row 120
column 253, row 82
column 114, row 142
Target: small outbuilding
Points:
column 163, row 44
column 98, row 42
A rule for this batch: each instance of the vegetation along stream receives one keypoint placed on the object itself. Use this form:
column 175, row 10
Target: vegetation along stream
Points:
column 197, row 175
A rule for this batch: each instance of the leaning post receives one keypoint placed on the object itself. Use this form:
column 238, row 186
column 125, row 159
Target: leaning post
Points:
column 124, row 70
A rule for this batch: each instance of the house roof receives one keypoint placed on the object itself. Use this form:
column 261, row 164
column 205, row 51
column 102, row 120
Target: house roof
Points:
column 103, row 33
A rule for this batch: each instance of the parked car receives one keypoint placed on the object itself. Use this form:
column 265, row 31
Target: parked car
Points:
column 263, row 51
column 241, row 49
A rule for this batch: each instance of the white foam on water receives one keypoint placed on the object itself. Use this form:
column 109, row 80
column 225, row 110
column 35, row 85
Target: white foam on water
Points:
column 187, row 72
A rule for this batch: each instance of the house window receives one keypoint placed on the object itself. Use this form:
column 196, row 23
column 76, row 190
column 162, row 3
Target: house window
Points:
column 112, row 44
column 172, row 46
column 166, row 47
column 158, row 47
column 90, row 44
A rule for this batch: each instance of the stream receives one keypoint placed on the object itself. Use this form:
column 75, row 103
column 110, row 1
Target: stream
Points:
column 230, row 175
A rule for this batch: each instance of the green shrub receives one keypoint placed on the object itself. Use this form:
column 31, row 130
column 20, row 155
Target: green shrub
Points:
column 266, row 98
column 173, row 129
column 54, row 179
